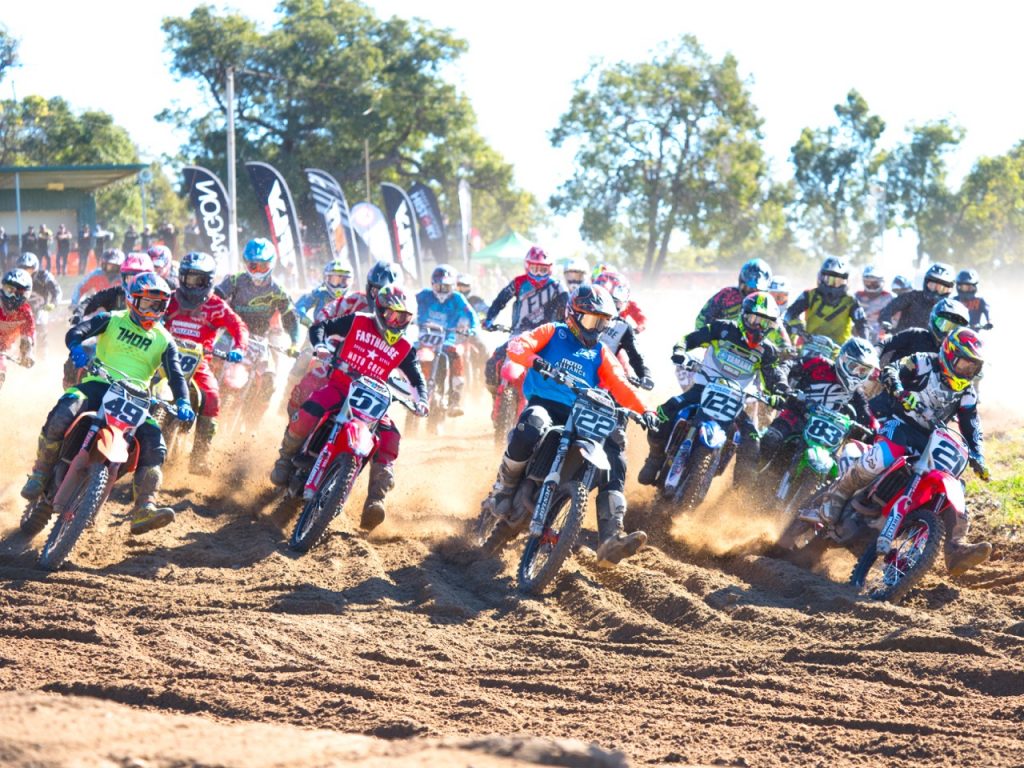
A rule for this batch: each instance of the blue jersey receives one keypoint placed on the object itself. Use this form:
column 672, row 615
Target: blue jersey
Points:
column 448, row 314
column 564, row 351
column 309, row 305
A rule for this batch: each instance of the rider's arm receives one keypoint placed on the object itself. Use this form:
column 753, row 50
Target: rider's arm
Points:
column 423, row 301
column 898, row 304
column 524, row 347
column 53, row 289
column 772, row 373
column 86, row 329
column 634, row 313
column 699, row 338
column 636, row 360
column 28, row 330
column 860, row 320
column 466, row 311
column 336, row 326
column 707, row 313
column 94, row 281
column 289, row 320
column 892, row 375
column 505, row 295
column 970, row 424
column 303, row 304
column 101, row 301
column 611, row 377
column 172, row 366
column 797, row 308
column 985, row 312
column 410, row 366
column 225, row 288
column 230, row 321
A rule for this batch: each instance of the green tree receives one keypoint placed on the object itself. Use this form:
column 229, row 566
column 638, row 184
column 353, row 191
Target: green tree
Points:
column 666, row 147
column 8, row 51
column 988, row 226
column 327, row 76
column 834, row 171
column 916, row 193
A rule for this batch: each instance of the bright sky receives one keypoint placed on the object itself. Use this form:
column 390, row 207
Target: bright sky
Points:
column 912, row 61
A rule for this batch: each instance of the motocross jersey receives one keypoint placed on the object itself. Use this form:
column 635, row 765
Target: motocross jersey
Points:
column 108, row 300
column 534, row 305
column 17, row 323
column 729, row 357
column 920, row 373
column 907, row 342
column 836, row 320
column 620, row 336
column 45, row 285
column 556, row 344
column 348, row 304
column 724, row 305
column 130, row 351
column 450, row 314
column 914, row 308
column 364, row 351
column 817, row 379
column 309, row 306
column 976, row 306
column 256, row 304
column 201, row 324
column 97, row 280
column 872, row 303
column 634, row 315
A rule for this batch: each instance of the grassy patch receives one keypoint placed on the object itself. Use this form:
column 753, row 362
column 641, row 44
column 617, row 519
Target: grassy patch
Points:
column 1001, row 500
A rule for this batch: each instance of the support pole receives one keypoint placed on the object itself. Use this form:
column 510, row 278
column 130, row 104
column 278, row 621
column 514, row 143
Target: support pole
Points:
column 232, row 192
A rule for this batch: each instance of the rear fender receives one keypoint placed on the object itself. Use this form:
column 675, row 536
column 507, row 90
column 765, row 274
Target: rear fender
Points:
column 110, row 444
column 712, row 434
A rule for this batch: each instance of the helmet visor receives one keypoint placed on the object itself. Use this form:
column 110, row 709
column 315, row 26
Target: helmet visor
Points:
column 965, row 368
column 966, row 288
column 780, row 297
column 397, row 319
column 11, row 291
column 944, row 324
column 858, row 370
column 942, row 289
column 833, row 281
column 538, row 270
column 259, row 267
column 151, row 305
column 758, row 322
column 191, row 279
column 337, row 281
column 111, row 268
column 464, row 287
column 593, row 322
column 442, row 288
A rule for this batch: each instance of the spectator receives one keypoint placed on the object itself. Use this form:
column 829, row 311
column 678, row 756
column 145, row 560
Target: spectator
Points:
column 63, row 238
column 43, row 239
column 169, row 234
column 84, row 246
column 131, row 239
column 3, row 248
column 103, row 239
column 28, row 240
column 147, row 238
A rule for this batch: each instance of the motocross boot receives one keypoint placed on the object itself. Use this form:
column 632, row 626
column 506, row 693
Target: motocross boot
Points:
column 615, row 544
column 382, row 480
column 282, row 471
column 455, row 396
column 961, row 556
column 652, row 465
column 500, row 498
column 852, row 480
column 146, row 515
column 206, row 428
column 46, row 456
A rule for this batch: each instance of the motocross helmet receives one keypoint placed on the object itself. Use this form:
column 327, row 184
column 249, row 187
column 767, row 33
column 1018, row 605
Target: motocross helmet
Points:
column 819, row 345
column 147, row 298
column 938, row 281
column 575, row 273
column 382, row 273
column 960, row 360
column 759, row 314
column 336, row 277
column 195, row 279
column 601, row 266
column 161, row 257
column 901, row 285
column 779, row 289
column 442, row 282
column 28, row 262
column 538, row 266
column 17, row 285
column 134, row 264
column 464, row 284
column 259, row 258
column 588, row 313
column 391, row 313
column 873, row 279
column 617, row 287
column 755, row 275
column 833, row 277
column 966, row 282
column 947, row 315
column 856, row 361
column 111, row 261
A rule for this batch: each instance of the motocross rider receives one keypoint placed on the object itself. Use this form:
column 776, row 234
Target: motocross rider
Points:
column 114, row 297
column 779, row 289
column 939, row 385
column 828, row 309
column 755, row 275
column 16, row 321
column 255, row 295
column 914, row 307
column 45, row 292
column 574, row 347
column 132, row 344
column 539, row 299
column 966, row 294
column 872, row 298
column 464, row 285
column 163, row 264
column 737, row 350
column 371, row 344
column 442, row 305
column 575, row 273
column 107, row 275
column 196, row 314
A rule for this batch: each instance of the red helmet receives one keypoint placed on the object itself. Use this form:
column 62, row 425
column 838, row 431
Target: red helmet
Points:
column 616, row 285
column 134, row 264
column 960, row 359
column 538, row 265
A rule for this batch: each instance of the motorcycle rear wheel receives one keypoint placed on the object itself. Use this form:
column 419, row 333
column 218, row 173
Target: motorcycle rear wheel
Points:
column 92, row 492
column 901, row 572
column 318, row 513
column 506, row 415
column 543, row 557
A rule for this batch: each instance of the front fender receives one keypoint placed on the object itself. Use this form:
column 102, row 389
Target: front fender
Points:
column 358, row 439
column 712, row 434
column 109, row 444
column 594, row 453
column 934, row 483
column 819, row 459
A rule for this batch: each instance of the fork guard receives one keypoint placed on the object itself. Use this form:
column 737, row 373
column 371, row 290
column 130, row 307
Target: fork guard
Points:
column 712, row 434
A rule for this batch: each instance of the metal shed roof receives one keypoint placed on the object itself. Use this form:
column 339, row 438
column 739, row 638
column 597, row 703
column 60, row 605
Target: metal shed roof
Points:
column 87, row 178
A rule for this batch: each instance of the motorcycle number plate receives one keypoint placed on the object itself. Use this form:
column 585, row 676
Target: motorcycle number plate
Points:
column 119, row 405
column 430, row 336
column 593, row 423
column 720, row 402
column 945, row 453
column 367, row 403
column 189, row 359
column 824, row 431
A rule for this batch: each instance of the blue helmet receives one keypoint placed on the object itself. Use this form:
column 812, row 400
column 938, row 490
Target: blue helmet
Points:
column 147, row 298
column 755, row 275
column 259, row 258
column 442, row 281
column 382, row 273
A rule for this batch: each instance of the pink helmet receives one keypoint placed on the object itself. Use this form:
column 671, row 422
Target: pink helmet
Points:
column 135, row 263
column 538, row 265
column 162, row 257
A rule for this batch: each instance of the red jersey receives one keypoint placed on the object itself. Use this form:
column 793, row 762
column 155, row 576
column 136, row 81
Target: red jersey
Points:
column 365, row 352
column 202, row 323
column 18, row 322
column 348, row 304
column 634, row 315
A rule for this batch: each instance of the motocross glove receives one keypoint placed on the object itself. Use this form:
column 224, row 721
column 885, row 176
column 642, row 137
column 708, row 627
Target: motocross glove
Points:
column 909, row 401
column 679, row 356
column 651, row 421
column 422, row 409
column 26, row 361
column 79, row 357
column 540, row 365
column 234, row 356
column 487, row 325
column 978, row 465
column 322, row 351
column 775, row 401
column 185, row 412
column 293, row 351
column 647, row 383
column 49, row 307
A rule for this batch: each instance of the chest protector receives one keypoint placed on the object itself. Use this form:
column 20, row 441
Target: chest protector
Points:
column 832, row 320
column 531, row 307
column 366, row 353
column 728, row 360
column 133, row 351
column 612, row 336
column 564, row 351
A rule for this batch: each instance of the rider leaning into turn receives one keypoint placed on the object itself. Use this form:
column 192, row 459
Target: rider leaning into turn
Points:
column 442, row 305
column 373, row 345
column 828, row 309
column 195, row 314
column 573, row 347
column 926, row 386
column 16, row 321
column 131, row 344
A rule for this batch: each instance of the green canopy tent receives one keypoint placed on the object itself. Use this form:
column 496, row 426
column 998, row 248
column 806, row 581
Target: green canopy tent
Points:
column 511, row 248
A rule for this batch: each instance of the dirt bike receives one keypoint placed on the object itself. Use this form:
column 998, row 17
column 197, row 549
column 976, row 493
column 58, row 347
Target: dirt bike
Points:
column 4, row 357
column 243, row 387
column 436, row 365
column 509, row 401
column 336, row 451
column 97, row 450
column 551, row 499
column 906, row 505
column 41, row 311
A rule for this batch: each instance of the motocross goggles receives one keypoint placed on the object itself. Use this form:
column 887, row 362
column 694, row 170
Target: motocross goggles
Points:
column 337, row 281
column 832, row 281
column 943, row 324
column 761, row 323
column 259, row 267
column 538, row 270
column 111, row 268
column 191, row 279
column 12, row 291
column 964, row 288
column 964, row 368
column 441, row 288
column 150, row 306
column 941, row 289
column 860, row 371
column 590, row 322
column 872, row 284
column 396, row 319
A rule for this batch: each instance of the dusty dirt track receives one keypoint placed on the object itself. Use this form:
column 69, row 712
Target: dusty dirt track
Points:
column 681, row 656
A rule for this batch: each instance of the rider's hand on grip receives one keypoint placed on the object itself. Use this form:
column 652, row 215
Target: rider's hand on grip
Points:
column 540, row 365
column 909, row 401
column 978, row 465
column 773, row 400
column 293, row 351
column 79, row 356
column 679, row 356
column 651, row 420
column 487, row 325
column 234, row 356
column 48, row 307
column 185, row 412
column 647, row 383
column 422, row 409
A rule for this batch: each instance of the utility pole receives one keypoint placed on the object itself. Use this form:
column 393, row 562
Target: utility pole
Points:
column 366, row 162
column 232, row 192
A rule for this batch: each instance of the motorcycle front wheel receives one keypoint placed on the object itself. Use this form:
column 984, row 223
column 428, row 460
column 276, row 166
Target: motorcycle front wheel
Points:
column 694, row 485
column 326, row 504
column 543, row 555
column 92, row 492
column 913, row 553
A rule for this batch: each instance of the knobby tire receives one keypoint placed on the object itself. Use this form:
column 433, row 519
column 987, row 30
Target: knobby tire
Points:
column 694, row 486
column 569, row 505
column 318, row 513
column 66, row 532
column 894, row 593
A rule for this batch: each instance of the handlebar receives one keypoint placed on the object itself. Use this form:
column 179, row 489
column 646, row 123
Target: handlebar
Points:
column 498, row 328
column 580, row 388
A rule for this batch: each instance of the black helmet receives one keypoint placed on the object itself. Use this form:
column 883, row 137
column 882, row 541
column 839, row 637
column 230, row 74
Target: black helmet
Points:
column 195, row 279
column 17, row 285
column 590, row 310
column 966, row 282
column 833, row 277
column 938, row 281
column 856, row 361
column 382, row 273
column 947, row 315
